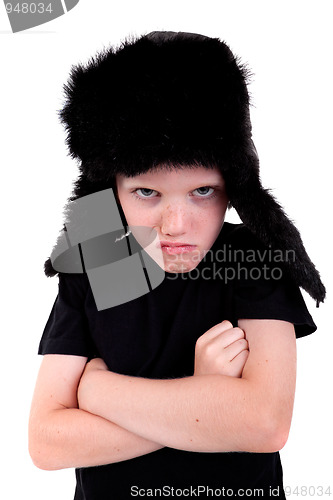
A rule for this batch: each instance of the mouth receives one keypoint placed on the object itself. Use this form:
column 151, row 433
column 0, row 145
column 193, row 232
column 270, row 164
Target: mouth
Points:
column 175, row 248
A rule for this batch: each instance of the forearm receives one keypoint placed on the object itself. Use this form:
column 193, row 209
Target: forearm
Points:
column 203, row 413
column 71, row 437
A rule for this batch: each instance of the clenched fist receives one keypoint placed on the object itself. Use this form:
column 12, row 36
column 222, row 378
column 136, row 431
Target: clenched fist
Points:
column 221, row 350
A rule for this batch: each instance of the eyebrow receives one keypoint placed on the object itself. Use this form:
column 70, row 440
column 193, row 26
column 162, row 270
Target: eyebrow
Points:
column 149, row 184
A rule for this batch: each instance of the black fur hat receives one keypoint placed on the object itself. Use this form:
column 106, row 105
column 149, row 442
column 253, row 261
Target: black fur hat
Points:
column 178, row 99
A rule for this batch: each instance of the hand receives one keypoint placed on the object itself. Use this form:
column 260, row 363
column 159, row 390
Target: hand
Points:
column 86, row 388
column 221, row 350
column 93, row 365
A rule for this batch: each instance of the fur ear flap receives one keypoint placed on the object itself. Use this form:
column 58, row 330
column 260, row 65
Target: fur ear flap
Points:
column 48, row 269
column 265, row 218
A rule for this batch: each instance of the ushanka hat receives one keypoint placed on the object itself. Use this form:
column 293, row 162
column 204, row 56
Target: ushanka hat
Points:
column 175, row 99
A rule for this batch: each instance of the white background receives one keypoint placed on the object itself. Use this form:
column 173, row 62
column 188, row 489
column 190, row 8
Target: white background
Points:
column 288, row 47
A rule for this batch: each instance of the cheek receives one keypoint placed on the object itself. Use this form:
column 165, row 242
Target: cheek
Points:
column 216, row 215
column 136, row 215
column 211, row 223
column 220, row 212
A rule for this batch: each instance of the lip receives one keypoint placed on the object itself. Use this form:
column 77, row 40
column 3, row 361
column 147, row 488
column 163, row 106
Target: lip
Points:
column 174, row 244
column 175, row 248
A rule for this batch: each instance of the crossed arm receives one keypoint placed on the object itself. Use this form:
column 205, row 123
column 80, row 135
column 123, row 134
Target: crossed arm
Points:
column 214, row 410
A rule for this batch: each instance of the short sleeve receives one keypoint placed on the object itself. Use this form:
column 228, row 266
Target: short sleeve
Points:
column 270, row 299
column 262, row 287
column 67, row 329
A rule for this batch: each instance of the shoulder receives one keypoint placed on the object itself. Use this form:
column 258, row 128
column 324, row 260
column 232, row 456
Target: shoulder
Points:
column 253, row 263
column 73, row 285
column 261, row 285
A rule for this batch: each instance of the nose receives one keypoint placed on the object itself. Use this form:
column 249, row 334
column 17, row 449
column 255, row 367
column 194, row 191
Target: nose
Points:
column 174, row 220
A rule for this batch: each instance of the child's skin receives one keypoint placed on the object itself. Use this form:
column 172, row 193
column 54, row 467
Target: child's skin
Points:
column 240, row 397
column 184, row 206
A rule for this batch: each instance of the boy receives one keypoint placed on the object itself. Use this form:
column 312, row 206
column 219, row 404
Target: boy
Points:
column 189, row 384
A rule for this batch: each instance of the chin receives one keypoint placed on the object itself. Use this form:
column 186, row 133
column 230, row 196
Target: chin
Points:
column 181, row 266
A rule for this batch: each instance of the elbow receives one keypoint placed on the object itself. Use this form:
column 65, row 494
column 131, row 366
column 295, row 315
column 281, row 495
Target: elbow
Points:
column 271, row 423
column 272, row 435
column 275, row 441
column 38, row 460
column 42, row 456
column 42, row 459
column 38, row 457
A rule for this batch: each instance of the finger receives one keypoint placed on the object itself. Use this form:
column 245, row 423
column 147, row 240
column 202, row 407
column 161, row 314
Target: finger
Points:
column 234, row 349
column 224, row 339
column 241, row 357
column 217, row 330
column 240, row 360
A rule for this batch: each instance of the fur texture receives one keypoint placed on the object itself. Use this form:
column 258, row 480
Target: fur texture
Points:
column 177, row 99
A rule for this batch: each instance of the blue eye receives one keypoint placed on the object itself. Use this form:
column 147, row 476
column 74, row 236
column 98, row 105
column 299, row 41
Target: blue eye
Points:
column 146, row 193
column 204, row 191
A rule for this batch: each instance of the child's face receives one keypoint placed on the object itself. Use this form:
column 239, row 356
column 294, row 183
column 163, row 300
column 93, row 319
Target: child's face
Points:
column 185, row 206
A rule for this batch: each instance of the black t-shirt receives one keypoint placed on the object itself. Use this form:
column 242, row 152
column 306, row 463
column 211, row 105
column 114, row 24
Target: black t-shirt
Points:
column 154, row 336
